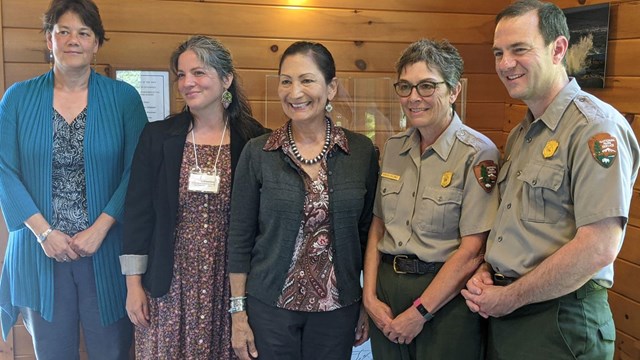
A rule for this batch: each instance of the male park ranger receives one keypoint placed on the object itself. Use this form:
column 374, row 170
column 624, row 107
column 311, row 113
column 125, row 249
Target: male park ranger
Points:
column 565, row 184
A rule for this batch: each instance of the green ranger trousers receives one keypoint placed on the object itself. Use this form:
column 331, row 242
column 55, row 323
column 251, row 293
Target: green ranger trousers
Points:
column 578, row 325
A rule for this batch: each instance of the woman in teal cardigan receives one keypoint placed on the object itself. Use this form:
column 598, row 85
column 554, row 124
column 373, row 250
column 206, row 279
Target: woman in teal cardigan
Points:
column 66, row 143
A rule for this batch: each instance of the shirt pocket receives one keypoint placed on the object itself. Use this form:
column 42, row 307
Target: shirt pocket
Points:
column 390, row 192
column 439, row 211
column 541, row 202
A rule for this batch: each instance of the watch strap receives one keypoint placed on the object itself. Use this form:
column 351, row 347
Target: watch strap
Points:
column 422, row 310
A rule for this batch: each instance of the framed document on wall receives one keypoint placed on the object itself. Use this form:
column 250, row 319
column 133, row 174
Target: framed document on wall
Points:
column 153, row 87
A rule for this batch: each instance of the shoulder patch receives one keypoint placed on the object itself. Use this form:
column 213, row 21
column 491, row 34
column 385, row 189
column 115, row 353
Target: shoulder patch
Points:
column 486, row 174
column 604, row 148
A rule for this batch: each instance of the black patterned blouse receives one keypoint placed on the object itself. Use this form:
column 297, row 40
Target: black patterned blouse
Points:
column 69, row 186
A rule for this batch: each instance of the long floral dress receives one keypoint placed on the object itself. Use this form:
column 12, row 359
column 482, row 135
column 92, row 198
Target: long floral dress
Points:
column 191, row 321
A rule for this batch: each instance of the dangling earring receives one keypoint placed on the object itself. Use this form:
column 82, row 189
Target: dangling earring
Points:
column 227, row 97
column 403, row 121
column 50, row 59
column 328, row 107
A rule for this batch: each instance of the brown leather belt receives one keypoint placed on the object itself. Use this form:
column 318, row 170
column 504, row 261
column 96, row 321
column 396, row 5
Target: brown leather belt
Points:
column 410, row 264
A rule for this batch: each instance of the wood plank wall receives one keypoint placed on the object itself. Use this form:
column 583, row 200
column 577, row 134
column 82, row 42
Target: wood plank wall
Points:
column 358, row 32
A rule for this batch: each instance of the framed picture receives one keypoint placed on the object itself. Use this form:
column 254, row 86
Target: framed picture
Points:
column 153, row 87
column 587, row 54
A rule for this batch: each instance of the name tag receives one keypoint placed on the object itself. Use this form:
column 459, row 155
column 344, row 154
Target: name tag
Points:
column 204, row 182
column 387, row 175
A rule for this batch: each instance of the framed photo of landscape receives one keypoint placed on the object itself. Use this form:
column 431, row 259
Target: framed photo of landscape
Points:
column 587, row 54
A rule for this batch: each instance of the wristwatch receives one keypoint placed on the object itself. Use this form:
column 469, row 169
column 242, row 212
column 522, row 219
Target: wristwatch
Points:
column 423, row 311
column 42, row 237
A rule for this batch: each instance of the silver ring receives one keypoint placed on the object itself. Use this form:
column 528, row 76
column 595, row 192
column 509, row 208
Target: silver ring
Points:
column 65, row 258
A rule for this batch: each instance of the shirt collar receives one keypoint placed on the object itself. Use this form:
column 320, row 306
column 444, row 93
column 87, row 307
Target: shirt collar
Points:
column 553, row 114
column 443, row 144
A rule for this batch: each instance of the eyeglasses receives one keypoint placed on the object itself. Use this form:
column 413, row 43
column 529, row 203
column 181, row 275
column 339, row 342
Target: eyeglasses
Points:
column 425, row 88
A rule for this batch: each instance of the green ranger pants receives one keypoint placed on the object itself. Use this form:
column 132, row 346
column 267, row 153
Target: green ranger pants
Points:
column 455, row 333
column 578, row 325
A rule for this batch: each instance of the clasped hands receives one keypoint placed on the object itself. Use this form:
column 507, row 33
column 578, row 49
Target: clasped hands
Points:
column 62, row 247
column 401, row 329
column 487, row 299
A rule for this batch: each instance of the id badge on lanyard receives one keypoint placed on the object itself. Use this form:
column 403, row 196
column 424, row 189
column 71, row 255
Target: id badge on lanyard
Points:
column 204, row 181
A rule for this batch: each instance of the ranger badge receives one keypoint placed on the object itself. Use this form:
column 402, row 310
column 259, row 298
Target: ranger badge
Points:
column 446, row 179
column 550, row 149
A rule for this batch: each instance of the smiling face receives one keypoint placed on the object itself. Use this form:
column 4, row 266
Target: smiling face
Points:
column 72, row 42
column 433, row 112
column 200, row 85
column 303, row 90
column 526, row 66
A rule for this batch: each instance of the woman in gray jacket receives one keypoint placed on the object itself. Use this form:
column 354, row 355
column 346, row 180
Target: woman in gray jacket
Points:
column 300, row 212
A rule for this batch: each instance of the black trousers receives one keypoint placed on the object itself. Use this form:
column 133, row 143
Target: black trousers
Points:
column 296, row 335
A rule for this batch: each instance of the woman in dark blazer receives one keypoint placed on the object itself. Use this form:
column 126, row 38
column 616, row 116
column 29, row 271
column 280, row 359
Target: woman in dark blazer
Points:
column 177, row 210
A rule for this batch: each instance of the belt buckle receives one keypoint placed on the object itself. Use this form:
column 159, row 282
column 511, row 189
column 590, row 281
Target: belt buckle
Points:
column 395, row 268
column 500, row 279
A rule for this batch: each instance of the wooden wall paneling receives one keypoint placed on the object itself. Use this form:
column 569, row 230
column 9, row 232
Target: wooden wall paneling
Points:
column 473, row 7
column 324, row 24
column 626, row 314
column 627, row 346
column 514, row 113
column 485, row 88
column 23, row 345
column 631, row 246
column 621, row 93
column 154, row 50
column 622, row 57
column 575, row 3
column 626, row 280
column 6, row 348
column 485, row 116
column 624, row 20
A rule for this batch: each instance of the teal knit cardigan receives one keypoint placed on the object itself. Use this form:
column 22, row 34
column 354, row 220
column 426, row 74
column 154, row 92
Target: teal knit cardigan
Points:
column 115, row 118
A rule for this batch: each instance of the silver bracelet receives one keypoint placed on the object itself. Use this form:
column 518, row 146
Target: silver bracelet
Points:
column 237, row 304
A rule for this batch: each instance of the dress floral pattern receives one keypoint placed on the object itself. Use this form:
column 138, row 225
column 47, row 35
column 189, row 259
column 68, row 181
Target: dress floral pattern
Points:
column 69, row 198
column 191, row 321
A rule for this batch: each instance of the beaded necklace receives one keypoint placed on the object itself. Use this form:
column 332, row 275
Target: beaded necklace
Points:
column 325, row 147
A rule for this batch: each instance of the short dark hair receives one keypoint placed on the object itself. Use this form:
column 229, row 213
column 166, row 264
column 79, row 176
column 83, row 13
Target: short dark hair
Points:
column 213, row 54
column 87, row 10
column 551, row 19
column 319, row 53
column 438, row 55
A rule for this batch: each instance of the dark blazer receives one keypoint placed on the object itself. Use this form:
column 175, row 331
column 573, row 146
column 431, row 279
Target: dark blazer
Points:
column 152, row 198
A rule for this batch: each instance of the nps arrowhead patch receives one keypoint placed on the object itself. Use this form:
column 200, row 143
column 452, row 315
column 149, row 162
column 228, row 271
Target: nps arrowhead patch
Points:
column 486, row 174
column 604, row 148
